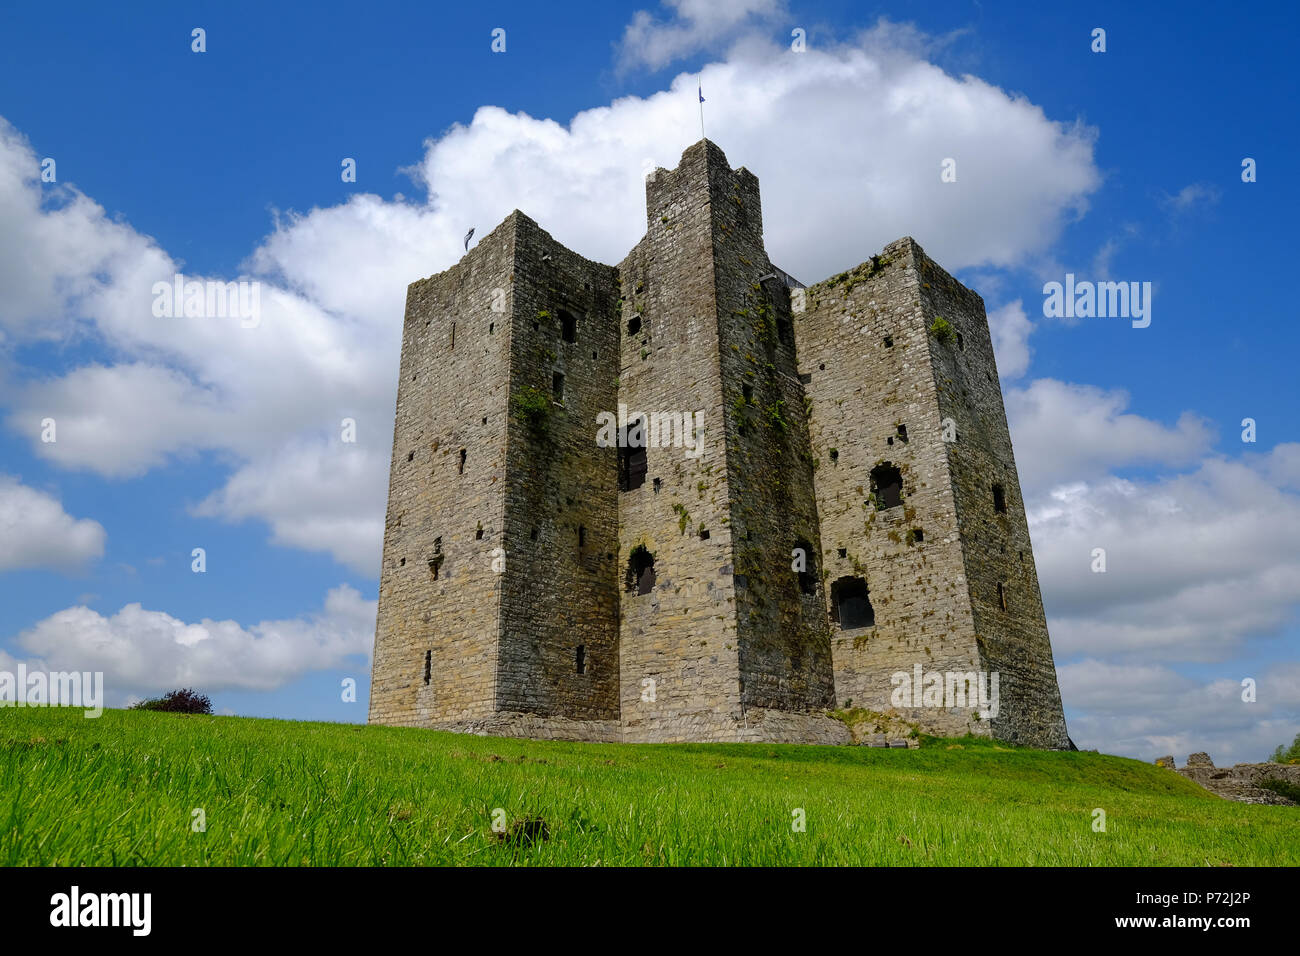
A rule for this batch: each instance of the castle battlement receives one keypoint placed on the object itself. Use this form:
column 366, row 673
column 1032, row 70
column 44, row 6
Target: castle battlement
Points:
column 822, row 495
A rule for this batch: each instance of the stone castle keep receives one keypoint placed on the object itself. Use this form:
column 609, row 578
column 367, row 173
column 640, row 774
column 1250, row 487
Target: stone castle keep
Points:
column 540, row 579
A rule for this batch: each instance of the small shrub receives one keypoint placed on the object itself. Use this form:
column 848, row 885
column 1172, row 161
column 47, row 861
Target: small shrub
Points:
column 941, row 329
column 683, row 517
column 533, row 407
column 775, row 418
column 177, row 702
column 1283, row 788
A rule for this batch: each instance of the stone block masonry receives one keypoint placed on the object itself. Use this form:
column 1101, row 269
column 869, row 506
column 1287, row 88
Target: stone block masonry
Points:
column 843, row 507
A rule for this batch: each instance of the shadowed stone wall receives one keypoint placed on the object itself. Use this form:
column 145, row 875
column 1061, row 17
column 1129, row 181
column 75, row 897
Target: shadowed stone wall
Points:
column 679, row 643
column 559, row 621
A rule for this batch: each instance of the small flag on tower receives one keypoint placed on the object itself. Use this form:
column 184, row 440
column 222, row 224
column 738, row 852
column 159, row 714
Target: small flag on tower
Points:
column 700, row 89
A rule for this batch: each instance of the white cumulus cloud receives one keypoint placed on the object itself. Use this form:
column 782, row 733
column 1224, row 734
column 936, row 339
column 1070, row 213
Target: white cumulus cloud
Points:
column 1197, row 564
column 1010, row 328
column 1067, row 432
column 692, row 25
column 1150, row 711
column 35, row 531
column 866, row 125
column 143, row 652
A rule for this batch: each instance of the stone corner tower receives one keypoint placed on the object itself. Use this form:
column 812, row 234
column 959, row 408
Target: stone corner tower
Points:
column 735, row 645
column 923, row 525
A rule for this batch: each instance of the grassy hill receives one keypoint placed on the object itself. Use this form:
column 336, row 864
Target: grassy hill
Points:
column 123, row 790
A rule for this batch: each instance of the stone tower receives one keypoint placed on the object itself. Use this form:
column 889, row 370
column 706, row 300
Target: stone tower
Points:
column 923, row 527
column 671, row 501
column 734, row 647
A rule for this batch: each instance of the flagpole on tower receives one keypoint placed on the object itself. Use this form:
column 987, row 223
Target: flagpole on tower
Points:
column 700, row 89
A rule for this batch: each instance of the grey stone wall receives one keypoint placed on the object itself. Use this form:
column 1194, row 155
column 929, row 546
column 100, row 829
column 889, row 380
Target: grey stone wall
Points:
column 785, row 654
column 1243, row 782
column 452, row 395
column 1010, row 624
column 796, row 403
column 560, row 589
column 864, row 351
column 951, row 576
column 680, row 656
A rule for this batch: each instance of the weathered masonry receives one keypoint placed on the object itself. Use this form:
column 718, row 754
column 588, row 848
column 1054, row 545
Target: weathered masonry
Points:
column 687, row 498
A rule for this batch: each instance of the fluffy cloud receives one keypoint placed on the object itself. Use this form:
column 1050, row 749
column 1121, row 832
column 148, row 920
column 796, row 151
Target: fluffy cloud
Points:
column 147, row 652
column 1201, row 566
column 1149, row 711
column 59, row 254
column 38, row 533
column 119, row 420
column 1067, row 432
column 1196, row 564
column 1191, row 196
column 694, row 25
column 867, row 126
column 1010, row 328
column 308, row 492
column 333, row 280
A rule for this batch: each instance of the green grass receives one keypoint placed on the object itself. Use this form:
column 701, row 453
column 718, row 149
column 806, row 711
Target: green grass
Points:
column 121, row 790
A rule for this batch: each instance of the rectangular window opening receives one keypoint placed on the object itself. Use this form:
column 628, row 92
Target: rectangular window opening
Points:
column 632, row 465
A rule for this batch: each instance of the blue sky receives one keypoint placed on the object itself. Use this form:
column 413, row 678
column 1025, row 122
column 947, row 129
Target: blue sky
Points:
column 1118, row 165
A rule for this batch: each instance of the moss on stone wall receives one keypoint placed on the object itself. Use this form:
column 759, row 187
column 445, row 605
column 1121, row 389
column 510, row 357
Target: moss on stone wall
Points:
column 533, row 408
